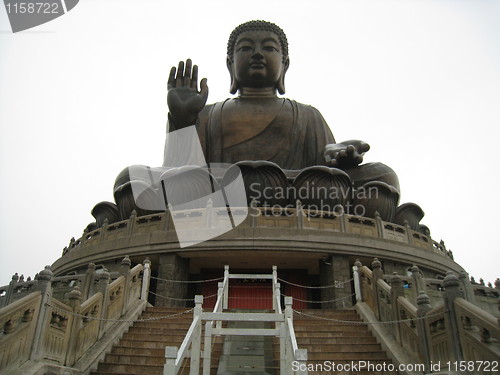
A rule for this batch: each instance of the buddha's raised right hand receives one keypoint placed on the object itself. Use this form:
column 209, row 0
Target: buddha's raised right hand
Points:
column 184, row 100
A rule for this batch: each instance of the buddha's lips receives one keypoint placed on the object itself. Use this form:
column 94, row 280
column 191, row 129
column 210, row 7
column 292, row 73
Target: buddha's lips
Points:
column 256, row 65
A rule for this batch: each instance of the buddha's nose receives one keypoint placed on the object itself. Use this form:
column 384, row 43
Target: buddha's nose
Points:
column 257, row 53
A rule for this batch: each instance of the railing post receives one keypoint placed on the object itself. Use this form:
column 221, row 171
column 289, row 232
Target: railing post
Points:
column 131, row 222
column 467, row 287
column 196, row 343
column 357, row 283
column 207, row 348
column 275, row 274
column 407, row 230
column 276, row 297
column 288, row 344
column 343, row 222
column 45, row 287
column 75, row 300
column 299, row 212
column 283, row 349
column 170, row 357
column 275, row 281
column 452, row 291
column 301, row 358
column 288, row 308
column 88, row 282
column 424, row 305
column 103, row 287
column 209, row 213
column 277, row 302
column 10, row 290
column 125, row 272
column 418, row 280
column 379, row 225
column 377, row 275
column 397, row 290
column 220, row 296
column 226, row 287
column 146, row 278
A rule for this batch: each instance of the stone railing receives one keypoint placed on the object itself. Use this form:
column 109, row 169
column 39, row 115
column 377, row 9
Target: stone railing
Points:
column 41, row 328
column 454, row 330
column 261, row 217
column 486, row 298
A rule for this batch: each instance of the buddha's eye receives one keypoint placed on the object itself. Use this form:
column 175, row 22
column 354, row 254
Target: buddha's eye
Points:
column 244, row 48
column 270, row 49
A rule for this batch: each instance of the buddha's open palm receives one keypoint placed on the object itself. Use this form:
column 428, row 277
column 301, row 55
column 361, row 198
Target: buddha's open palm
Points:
column 345, row 154
column 183, row 98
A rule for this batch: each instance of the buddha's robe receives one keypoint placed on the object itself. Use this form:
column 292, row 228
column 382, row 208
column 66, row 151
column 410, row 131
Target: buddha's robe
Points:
column 293, row 139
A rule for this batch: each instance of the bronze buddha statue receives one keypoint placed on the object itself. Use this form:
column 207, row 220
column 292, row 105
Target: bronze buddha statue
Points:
column 258, row 124
column 274, row 140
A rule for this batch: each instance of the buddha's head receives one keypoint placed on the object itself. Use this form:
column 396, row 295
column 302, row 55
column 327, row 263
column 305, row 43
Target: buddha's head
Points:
column 257, row 56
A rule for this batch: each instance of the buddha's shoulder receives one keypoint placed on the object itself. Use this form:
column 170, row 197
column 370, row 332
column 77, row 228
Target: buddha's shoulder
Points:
column 290, row 105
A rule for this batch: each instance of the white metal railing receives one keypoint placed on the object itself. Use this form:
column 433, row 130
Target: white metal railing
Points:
column 283, row 328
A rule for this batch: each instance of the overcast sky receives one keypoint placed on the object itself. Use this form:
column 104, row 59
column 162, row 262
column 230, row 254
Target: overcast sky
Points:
column 84, row 96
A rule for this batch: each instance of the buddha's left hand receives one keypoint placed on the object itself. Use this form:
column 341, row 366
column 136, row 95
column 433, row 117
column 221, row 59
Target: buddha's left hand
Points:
column 345, row 154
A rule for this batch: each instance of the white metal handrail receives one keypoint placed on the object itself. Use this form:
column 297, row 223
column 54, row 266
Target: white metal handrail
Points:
column 289, row 351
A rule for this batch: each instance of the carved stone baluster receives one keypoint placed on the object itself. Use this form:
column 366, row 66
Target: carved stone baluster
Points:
column 45, row 287
column 397, row 290
column 424, row 305
column 377, row 274
column 88, row 283
column 75, row 300
column 418, row 280
column 125, row 272
column 103, row 287
column 10, row 290
column 467, row 287
column 452, row 291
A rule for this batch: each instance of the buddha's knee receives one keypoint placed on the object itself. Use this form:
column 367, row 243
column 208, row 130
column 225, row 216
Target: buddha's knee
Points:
column 376, row 190
column 371, row 172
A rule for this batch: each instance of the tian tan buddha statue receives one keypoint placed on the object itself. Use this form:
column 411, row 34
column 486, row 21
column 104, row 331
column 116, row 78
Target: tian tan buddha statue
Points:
column 279, row 144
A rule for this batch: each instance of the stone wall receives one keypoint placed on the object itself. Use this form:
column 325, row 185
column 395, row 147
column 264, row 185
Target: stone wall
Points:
column 169, row 293
column 336, row 270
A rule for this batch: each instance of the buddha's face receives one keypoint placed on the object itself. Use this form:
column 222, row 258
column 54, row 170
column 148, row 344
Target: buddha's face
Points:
column 257, row 60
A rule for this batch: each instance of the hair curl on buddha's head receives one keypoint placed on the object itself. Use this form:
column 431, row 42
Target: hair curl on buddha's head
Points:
column 257, row 25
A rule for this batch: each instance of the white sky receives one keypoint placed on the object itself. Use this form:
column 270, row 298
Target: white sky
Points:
column 84, row 96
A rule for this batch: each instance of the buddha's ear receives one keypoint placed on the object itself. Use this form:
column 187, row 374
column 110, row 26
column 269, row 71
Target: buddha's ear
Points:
column 234, row 86
column 281, row 80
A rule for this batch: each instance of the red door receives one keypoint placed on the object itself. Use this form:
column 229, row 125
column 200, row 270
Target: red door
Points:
column 251, row 295
column 256, row 294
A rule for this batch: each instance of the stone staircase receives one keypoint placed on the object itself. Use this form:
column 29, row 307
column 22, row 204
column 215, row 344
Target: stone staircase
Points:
column 339, row 342
column 142, row 348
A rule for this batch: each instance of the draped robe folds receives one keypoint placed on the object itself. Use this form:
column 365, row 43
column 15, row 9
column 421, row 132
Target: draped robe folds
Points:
column 294, row 139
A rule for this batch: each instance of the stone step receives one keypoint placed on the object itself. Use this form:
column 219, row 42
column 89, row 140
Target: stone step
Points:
column 152, row 344
column 152, row 352
column 167, row 315
column 161, row 330
column 337, row 340
column 154, row 337
column 164, row 323
column 325, row 313
column 326, row 347
column 331, row 332
column 313, row 322
column 120, row 368
column 367, row 356
column 172, row 310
